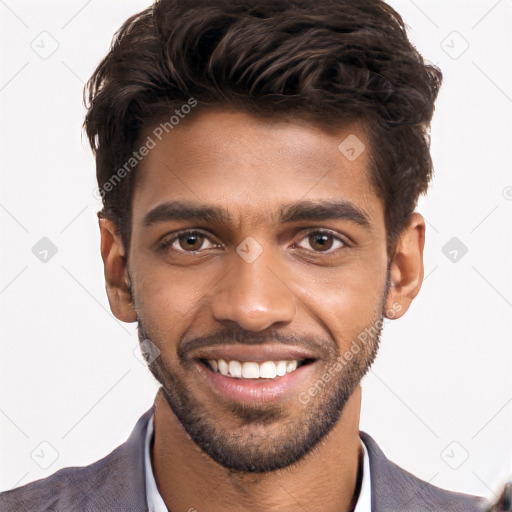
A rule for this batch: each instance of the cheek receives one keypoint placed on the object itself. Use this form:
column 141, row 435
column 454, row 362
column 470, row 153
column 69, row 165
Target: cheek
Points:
column 167, row 304
column 166, row 292
column 347, row 300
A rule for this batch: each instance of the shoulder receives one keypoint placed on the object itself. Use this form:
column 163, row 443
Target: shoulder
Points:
column 114, row 483
column 74, row 487
column 395, row 489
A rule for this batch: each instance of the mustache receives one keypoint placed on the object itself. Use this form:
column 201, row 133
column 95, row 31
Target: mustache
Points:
column 315, row 344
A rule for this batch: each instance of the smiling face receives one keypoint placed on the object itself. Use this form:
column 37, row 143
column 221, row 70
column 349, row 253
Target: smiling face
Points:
column 258, row 241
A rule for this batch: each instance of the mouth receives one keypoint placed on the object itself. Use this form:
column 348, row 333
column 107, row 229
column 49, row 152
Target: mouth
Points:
column 253, row 369
column 256, row 381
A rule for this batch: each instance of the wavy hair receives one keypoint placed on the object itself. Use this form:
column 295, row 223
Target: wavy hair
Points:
column 330, row 62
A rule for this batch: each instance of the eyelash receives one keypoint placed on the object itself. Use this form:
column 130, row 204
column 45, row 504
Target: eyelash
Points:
column 166, row 243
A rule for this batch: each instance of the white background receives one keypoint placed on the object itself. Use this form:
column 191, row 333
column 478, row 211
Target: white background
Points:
column 439, row 394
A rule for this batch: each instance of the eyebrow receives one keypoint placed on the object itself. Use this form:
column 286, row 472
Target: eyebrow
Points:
column 287, row 213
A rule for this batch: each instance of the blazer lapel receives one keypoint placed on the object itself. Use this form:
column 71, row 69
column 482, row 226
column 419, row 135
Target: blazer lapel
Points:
column 124, row 483
column 397, row 490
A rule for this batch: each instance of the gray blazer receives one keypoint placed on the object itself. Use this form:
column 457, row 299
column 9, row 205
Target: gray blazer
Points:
column 116, row 483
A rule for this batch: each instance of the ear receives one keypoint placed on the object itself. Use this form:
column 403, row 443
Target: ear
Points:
column 406, row 270
column 117, row 281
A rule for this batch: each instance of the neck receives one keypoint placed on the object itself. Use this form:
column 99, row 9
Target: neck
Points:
column 189, row 479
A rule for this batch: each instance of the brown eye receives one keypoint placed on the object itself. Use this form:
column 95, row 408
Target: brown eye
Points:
column 323, row 241
column 192, row 242
column 188, row 241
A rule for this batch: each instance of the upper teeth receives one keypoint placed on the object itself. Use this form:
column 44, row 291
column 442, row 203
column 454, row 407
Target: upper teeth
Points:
column 252, row 370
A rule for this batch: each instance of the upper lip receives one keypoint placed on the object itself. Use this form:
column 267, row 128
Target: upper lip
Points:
column 256, row 353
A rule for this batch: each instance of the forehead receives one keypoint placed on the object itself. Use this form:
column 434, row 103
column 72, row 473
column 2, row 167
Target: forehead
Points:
column 249, row 163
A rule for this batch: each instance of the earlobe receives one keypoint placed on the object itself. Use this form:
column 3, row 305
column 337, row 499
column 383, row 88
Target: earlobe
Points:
column 406, row 269
column 117, row 282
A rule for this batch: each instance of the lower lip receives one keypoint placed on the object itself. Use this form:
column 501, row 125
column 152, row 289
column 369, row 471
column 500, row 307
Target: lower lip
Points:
column 257, row 390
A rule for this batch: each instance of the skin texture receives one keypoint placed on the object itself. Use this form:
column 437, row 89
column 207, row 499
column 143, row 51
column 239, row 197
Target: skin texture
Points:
column 320, row 292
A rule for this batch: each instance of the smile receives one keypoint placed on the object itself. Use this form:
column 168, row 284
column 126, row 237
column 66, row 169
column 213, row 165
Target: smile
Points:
column 253, row 369
column 256, row 382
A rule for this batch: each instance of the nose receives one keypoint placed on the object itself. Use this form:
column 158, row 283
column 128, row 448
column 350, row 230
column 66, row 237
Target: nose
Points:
column 254, row 295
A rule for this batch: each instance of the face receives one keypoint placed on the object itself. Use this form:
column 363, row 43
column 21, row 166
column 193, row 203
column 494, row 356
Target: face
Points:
column 257, row 263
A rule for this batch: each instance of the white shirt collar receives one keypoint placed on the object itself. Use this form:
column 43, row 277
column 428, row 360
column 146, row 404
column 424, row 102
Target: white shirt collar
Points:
column 153, row 497
column 364, row 503
column 157, row 504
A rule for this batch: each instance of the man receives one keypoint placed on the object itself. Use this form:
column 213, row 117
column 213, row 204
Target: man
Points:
column 259, row 164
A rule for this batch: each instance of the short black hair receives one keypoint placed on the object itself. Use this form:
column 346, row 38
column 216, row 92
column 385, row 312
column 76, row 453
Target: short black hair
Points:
column 330, row 62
